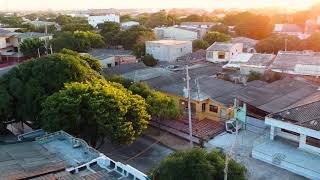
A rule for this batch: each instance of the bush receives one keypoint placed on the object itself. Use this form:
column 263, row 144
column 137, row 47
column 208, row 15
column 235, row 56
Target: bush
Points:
column 148, row 60
column 253, row 75
column 197, row 164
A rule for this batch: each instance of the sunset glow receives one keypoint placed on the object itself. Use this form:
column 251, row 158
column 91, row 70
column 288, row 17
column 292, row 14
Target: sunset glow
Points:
column 208, row 4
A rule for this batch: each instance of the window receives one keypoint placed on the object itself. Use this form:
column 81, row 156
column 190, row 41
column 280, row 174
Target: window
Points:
column 180, row 49
column 116, row 63
column 221, row 55
column 210, row 55
column 203, row 107
column 213, row 108
column 109, row 65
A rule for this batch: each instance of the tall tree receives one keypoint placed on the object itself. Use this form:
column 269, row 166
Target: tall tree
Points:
column 197, row 164
column 199, row 44
column 95, row 110
column 212, row 37
column 33, row 47
column 33, row 81
column 276, row 43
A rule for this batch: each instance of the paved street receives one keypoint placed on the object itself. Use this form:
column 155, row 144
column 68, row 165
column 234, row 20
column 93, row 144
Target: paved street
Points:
column 246, row 140
column 143, row 154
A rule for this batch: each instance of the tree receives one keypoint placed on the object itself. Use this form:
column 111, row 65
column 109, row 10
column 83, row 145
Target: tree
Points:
column 197, row 164
column 255, row 27
column 148, row 60
column 92, row 62
column 253, row 75
column 31, row 82
column 136, row 35
column 220, row 28
column 80, row 41
column 111, row 32
column 126, row 18
column 312, row 43
column 192, row 18
column 77, row 27
column 275, row 43
column 95, row 110
column 212, row 37
column 199, row 44
column 32, row 47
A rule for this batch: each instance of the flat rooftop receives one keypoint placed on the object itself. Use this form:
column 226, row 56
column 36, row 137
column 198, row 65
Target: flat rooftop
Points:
column 168, row 42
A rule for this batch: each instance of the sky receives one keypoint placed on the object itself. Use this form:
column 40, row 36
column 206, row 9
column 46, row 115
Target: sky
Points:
column 121, row 4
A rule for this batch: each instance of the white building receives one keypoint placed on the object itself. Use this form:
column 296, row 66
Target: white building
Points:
column 129, row 24
column 180, row 33
column 95, row 20
column 168, row 50
column 223, row 52
column 206, row 25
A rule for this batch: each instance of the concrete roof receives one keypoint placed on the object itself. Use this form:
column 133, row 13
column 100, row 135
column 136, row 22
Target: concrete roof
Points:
column 260, row 59
column 124, row 68
column 277, row 95
column 31, row 35
column 302, row 62
column 168, row 42
column 220, row 46
column 247, row 42
column 106, row 53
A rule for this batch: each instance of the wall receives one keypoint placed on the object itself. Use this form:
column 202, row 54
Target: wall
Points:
column 236, row 49
column 179, row 34
column 110, row 60
column 125, row 59
column 3, row 43
column 95, row 20
column 245, row 69
column 164, row 52
column 207, row 114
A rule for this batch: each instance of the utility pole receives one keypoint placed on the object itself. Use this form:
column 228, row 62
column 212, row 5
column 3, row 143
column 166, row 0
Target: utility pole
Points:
column 189, row 106
column 285, row 44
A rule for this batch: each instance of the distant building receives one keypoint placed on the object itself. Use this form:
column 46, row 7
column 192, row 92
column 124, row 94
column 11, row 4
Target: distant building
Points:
column 113, row 57
column 205, row 25
column 290, row 29
column 257, row 63
column 298, row 63
column 95, row 20
column 180, row 33
column 168, row 50
column 129, row 24
column 220, row 52
column 248, row 43
column 59, row 155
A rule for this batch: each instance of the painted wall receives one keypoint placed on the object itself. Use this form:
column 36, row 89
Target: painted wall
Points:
column 213, row 56
column 3, row 43
column 164, row 52
column 176, row 34
column 199, row 114
column 95, row 20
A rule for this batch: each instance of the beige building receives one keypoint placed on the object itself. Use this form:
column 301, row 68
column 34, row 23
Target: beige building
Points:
column 168, row 50
column 220, row 52
column 180, row 33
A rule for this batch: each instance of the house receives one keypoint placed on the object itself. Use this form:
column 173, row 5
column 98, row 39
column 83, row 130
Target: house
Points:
column 40, row 24
column 294, row 142
column 113, row 57
column 272, row 97
column 168, row 50
column 304, row 64
column 95, row 20
column 290, row 29
column 220, row 52
column 59, row 155
column 257, row 63
column 248, row 44
column 180, row 33
column 129, row 24
column 237, row 60
column 205, row 25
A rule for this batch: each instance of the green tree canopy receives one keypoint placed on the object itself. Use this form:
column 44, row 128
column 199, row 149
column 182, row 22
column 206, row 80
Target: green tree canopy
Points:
column 220, row 28
column 199, row 44
column 149, row 60
column 77, row 27
column 197, row 164
column 212, row 37
column 95, row 110
column 311, row 43
column 26, row 86
column 111, row 33
column 32, row 47
column 275, row 43
column 80, row 41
